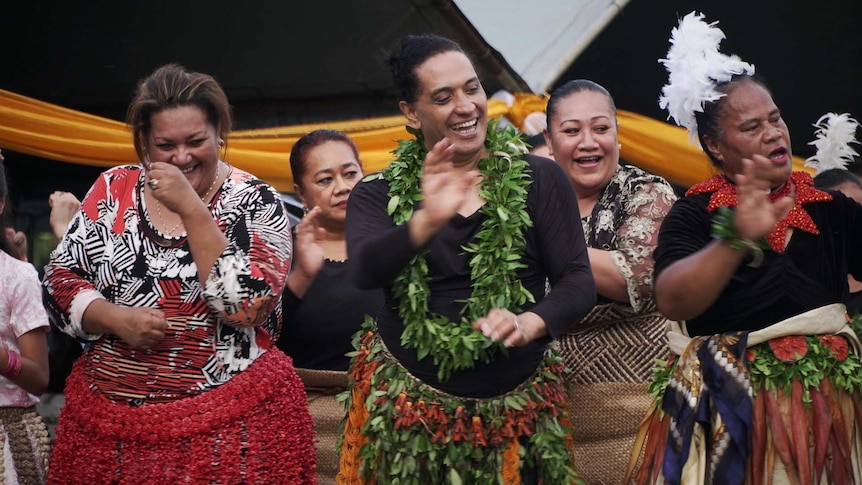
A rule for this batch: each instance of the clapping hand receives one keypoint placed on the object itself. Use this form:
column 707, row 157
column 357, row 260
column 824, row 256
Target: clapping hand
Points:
column 444, row 189
column 308, row 249
column 756, row 216
column 514, row 330
column 18, row 240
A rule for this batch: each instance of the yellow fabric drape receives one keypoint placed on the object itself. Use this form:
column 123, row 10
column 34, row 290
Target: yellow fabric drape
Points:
column 49, row 131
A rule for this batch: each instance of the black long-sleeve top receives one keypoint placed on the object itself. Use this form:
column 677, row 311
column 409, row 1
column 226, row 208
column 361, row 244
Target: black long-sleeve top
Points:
column 811, row 272
column 555, row 249
column 318, row 328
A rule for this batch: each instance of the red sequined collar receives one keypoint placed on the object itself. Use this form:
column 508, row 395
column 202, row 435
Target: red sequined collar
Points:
column 724, row 194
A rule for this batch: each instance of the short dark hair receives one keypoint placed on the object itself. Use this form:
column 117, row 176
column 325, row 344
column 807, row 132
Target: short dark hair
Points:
column 415, row 49
column 173, row 86
column 708, row 121
column 535, row 141
column 299, row 151
column 834, row 178
column 575, row 86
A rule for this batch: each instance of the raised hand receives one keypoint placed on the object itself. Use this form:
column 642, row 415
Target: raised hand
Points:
column 64, row 205
column 173, row 190
column 18, row 240
column 756, row 215
column 308, row 247
column 444, row 191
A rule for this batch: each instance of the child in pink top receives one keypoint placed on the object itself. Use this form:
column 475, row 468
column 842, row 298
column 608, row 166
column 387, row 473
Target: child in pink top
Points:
column 23, row 362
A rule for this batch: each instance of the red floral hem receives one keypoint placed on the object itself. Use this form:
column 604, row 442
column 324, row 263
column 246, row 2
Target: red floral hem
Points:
column 253, row 429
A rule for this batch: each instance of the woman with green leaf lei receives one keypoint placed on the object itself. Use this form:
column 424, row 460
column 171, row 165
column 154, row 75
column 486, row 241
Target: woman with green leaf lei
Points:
column 454, row 381
column 766, row 383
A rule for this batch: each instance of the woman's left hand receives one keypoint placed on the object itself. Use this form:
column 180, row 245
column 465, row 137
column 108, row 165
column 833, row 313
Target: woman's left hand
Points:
column 172, row 188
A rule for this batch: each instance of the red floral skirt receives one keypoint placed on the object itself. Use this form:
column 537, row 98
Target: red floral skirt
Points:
column 253, row 429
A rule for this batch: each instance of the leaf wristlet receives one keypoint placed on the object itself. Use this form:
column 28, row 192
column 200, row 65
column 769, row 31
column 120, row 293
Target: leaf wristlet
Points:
column 723, row 229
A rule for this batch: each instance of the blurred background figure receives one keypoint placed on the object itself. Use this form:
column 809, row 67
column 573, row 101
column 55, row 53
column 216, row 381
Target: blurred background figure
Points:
column 322, row 308
column 63, row 349
column 834, row 136
column 23, row 359
column 539, row 146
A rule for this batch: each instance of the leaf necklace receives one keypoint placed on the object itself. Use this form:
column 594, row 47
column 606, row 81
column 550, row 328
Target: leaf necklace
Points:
column 495, row 252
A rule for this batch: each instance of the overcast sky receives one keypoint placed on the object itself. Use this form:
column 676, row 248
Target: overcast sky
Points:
column 540, row 38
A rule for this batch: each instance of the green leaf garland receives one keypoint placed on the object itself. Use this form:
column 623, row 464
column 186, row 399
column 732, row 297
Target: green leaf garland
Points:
column 495, row 253
column 417, row 435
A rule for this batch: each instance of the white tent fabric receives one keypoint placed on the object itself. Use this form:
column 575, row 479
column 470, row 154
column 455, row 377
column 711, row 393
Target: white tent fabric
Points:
column 540, row 38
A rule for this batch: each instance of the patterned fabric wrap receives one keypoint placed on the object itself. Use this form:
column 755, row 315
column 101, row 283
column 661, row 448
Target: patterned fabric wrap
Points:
column 710, row 381
column 254, row 429
column 322, row 388
column 786, row 409
column 400, row 429
column 611, row 353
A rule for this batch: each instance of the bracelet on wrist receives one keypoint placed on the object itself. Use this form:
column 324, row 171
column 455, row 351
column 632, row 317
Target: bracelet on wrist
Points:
column 724, row 230
column 13, row 365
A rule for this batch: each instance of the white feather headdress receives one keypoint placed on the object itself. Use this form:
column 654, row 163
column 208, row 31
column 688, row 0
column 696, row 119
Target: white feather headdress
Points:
column 694, row 66
column 834, row 134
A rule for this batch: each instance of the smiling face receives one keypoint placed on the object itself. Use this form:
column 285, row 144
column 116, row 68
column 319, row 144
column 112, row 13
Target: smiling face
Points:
column 751, row 124
column 450, row 103
column 331, row 171
column 582, row 137
column 183, row 137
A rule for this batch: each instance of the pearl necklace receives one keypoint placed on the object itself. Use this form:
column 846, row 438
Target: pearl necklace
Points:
column 203, row 199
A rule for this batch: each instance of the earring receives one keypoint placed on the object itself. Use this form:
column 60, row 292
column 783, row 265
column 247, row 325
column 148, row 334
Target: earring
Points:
column 306, row 209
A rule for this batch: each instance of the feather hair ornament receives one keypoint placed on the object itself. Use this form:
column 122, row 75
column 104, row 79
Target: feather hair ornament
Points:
column 694, row 67
column 834, row 134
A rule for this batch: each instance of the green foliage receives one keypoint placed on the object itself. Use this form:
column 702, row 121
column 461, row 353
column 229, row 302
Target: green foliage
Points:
column 818, row 363
column 495, row 253
column 723, row 228
column 661, row 372
column 769, row 372
column 429, row 449
column 856, row 325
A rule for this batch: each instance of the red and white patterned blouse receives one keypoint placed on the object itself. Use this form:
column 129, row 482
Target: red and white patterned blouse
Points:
column 112, row 251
